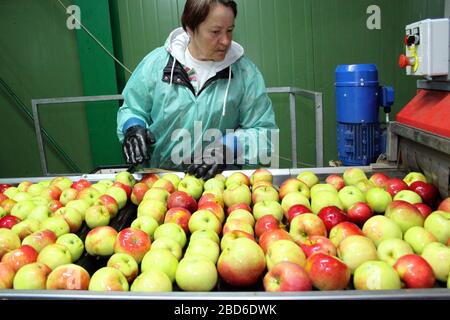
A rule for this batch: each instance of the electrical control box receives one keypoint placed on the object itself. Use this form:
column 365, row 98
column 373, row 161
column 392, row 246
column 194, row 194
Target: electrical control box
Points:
column 427, row 45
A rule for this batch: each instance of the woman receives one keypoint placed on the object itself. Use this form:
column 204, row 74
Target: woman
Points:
column 197, row 101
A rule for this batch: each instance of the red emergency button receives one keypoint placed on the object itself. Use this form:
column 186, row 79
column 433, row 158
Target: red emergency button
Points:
column 403, row 61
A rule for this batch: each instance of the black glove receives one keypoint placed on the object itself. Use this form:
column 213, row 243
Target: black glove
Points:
column 136, row 144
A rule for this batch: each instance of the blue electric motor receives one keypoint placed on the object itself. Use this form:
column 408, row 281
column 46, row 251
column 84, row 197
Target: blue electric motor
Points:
column 358, row 96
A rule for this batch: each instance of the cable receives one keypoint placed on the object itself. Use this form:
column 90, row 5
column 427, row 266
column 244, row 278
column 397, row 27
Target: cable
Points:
column 96, row 40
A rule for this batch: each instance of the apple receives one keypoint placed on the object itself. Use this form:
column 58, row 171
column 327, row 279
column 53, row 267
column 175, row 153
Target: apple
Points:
column 418, row 238
column 54, row 255
column 364, row 185
column 306, row 225
column 444, row 205
column 379, row 228
column 109, row 203
column 24, row 185
column 427, row 191
column 394, row 185
column 296, row 210
column 353, row 175
column 152, row 280
column 214, row 184
column 415, row 271
column 172, row 177
column 118, row 194
column 156, row 193
column 404, row 214
column 359, row 213
column 149, row 179
column 205, row 247
column 309, row 178
column 170, row 244
column 286, row 276
column 343, row 230
column 236, row 206
column 235, row 224
column 80, row 205
column 101, row 187
column 22, row 209
column 146, row 224
column 35, row 189
column 32, row 276
column 265, row 223
column 413, row 177
column 238, row 178
column 7, row 274
column 284, row 250
column 126, row 178
column 40, row 239
column 354, row 250
column 62, row 183
column 424, row 209
column 72, row 216
column 68, row 195
column 72, row 242
column 171, row 230
column 97, row 216
column 236, row 193
column 438, row 223
column 80, row 184
column 134, row 242
column 90, row 195
column 272, row 235
column 51, row 192
column 40, row 213
column 26, row 227
column 228, row 237
column 293, row 185
column 349, row 195
column 214, row 208
column 378, row 199
column 192, row 186
column 332, row 216
column 204, row 220
column 390, row 250
column 324, row 199
column 125, row 264
column 269, row 207
column 408, row 196
column 243, row 215
column 7, row 205
column 128, row 189
column 261, row 174
column 202, row 234
column 152, row 208
column 108, row 279
column 180, row 216
column 242, row 263
column 182, row 199
column 336, row 181
column 100, row 241
column 327, row 272
column 9, row 221
column 379, row 179
column 294, row 198
column 68, row 277
column 315, row 244
column 160, row 259
column 196, row 273
column 259, row 184
column 210, row 196
column 376, row 275
column 138, row 192
column 265, row 194
column 438, row 256
column 4, row 186
column 165, row 184
column 19, row 257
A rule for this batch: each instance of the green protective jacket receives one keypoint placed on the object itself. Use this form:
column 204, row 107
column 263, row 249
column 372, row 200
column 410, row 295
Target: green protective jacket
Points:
column 234, row 103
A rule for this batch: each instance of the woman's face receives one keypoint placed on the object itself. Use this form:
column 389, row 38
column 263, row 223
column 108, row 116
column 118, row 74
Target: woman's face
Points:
column 213, row 37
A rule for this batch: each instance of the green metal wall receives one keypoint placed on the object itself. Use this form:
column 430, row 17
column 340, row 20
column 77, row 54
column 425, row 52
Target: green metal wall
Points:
column 294, row 42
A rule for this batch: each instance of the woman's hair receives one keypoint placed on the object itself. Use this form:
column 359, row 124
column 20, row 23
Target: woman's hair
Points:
column 196, row 11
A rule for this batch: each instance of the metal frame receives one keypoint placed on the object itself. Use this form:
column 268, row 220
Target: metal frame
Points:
column 318, row 104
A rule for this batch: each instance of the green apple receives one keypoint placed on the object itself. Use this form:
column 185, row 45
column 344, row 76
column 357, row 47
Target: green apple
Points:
column 378, row 199
column 261, row 174
column 438, row 223
column 263, row 208
column 237, row 193
column 152, row 280
column 349, row 195
column 169, row 244
column 379, row 228
column 152, row 208
column 118, row 194
column 284, row 250
column 126, row 178
column 40, row 239
column 322, row 187
column 235, row 224
column 172, row 177
column 438, row 256
column 55, row 255
column 418, row 238
column 164, row 184
column 364, row 185
column 97, row 216
column 35, row 189
column 21, row 196
column 22, row 209
column 80, row 205
column 309, row 178
column 26, row 227
column 244, row 215
column 204, row 220
column 404, row 214
column 108, row 279
column 214, row 184
column 145, row 223
column 9, row 241
column 353, row 175
column 100, row 241
column 376, row 275
column 267, row 193
column 171, row 230
column 155, row 193
column 72, row 216
column 73, row 243
column 408, row 196
column 10, row 192
column 90, row 195
column 101, row 187
column 237, row 178
column 294, row 198
column 205, row 247
column 355, row 250
column 390, row 250
column 125, row 264
column 39, row 200
column 107, row 182
column 160, row 259
column 40, row 213
column 196, row 273
column 62, row 183
column 32, row 276
column 202, row 234
column 294, row 185
column 191, row 185
column 324, row 199
column 414, row 176
column 68, row 195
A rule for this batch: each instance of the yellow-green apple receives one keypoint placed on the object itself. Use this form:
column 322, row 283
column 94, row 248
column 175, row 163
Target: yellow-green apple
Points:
column 108, row 279
column 101, row 187
column 394, row 185
column 97, row 216
column 236, row 193
column 126, row 178
column 350, row 195
column 45, row 183
column 438, row 256
column 353, row 175
column 342, row 230
column 118, row 194
column 138, row 192
column 379, row 179
column 10, row 191
column 89, row 194
column 324, row 199
column 7, row 205
column 306, row 225
column 286, row 276
column 156, row 193
column 332, row 216
column 215, row 208
column 390, row 250
column 205, row 247
column 68, row 195
column 32, row 276
column 293, row 185
column 125, row 264
column 284, row 250
column 40, row 213
column 73, row 243
column 21, row 196
column 134, row 242
column 149, row 179
column 39, row 200
column 418, row 238
column 327, row 272
column 408, row 196
column 296, row 210
column 235, row 224
column 444, row 205
column 160, row 259
column 242, row 263
column 359, row 213
column 265, row 194
column 214, row 184
column 379, row 228
column 100, row 241
column 427, row 191
column 146, row 224
column 165, row 184
column 68, row 277
column 336, row 181
column 40, row 239
column 7, row 274
column 378, row 199
column 413, row 177
column 265, row 223
column 261, row 174
column 21, row 256
column 35, row 189
column 109, row 203
column 259, row 184
column 415, row 271
column 62, row 183
column 271, row 207
column 355, row 250
column 404, row 214
column 128, row 189
column 309, row 178
column 72, row 216
column 192, row 186
column 204, row 220
column 232, row 235
column 244, row 215
column 364, row 185
column 182, row 199
column 51, row 193
column 237, row 178
column 272, row 235
column 152, row 280
column 196, row 273
column 425, row 210
column 211, row 196
column 152, row 208
column 172, row 177
column 236, row 206
column 22, row 209
column 294, row 198
column 26, row 227
column 438, row 223
column 9, row 221
column 315, row 244
column 24, row 185
column 54, row 255
column 376, row 275
column 79, row 204
column 169, row 244
column 171, row 230
column 208, row 234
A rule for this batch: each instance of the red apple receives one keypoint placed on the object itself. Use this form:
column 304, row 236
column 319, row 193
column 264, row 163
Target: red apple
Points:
column 315, row 244
column 21, row 256
column 394, row 185
column 9, row 221
column 425, row 210
column 182, row 199
column 331, row 216
column 134, row 242
column 359, row 213
column 287, row 276
column 180, row 216
column 379, row 179
column 336, row 181
column 415, row 271
column 51, row 192
column 327, row 272
column 238, row 206
column 55, row 205
column 306, row 225
column 40, row 239
column 265, row 223
column 272, row 235
column 80, row 184
column 342, row 231
column 128, row 189
column 138, row 191
column 427, row 191
column 4, row 186
column 149, row 179
column 211, row 197
column 296, row 210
